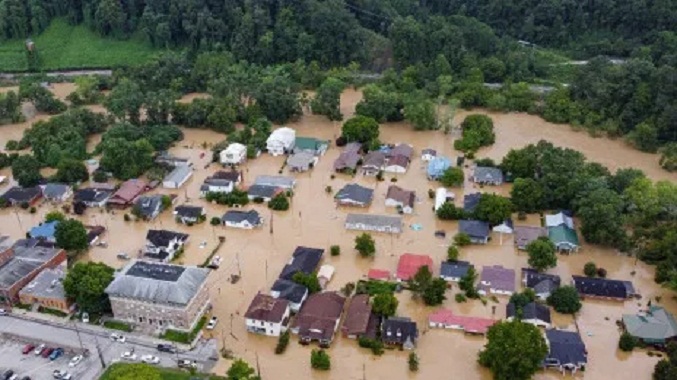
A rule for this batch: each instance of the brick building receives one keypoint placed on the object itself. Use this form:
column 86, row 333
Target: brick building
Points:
column 160, row 296
column 46, row 290
column 19, row 265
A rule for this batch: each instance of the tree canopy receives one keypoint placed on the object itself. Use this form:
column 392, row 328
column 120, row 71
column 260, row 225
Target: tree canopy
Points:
column 71, row 235
column 565, row 300
column 26, row 170
column 514, row 351
column 542, row 254
column 361, row 129
column 240, row 370
column 384, row 304
column 85, row 284
column 430, row 289
column 365, row 245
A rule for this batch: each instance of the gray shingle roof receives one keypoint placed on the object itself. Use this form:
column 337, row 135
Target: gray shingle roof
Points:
column 274, row 180
column 355, row 193
column 566, row 347
column 394, row 222
column 55, row 190
column 454, row 268
column 531, row 310
column 474, row 228
column 159, row 283
column 236, row 216
column 483, row 173
column 47, row 284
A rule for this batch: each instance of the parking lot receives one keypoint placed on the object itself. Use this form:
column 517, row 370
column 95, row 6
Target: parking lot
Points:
column 35, row 366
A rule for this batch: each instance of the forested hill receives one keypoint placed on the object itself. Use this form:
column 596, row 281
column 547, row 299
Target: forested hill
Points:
column 336, row 32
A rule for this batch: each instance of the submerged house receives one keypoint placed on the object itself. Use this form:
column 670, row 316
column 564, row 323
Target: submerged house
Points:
column 487, row 176
column 177, row 177
column 354, row 195
column 301, row 161
column 22, row 195
column 655, row 326
column 410, row 263
column 189, row 214
column 315, row 146
column 566, row 351
column 148, row 207
column 162, row 245
column 526, row 234
column 281, row 141
column 446, row 319
column 57, row 192
column 428, row 154
column 374, row 223
column 497, row 280
column 543, row 284
column 359, row 319
column 399, row 332
column 304, row 260
column 403, row 199
column 437, row 166
column 127, row 193
column 92, row 197
column 532, row 313
column 242, row 219
column 564, row 238
column 477, row 230
column 373, row 163
column 603, row 288
column 234, row 154
column 349, row 158
column 295, row 293
column 319, row 318
column 267, row 315
column 453, row 271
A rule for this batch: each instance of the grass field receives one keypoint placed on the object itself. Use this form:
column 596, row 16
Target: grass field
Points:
column 167, row 374
column 62, row 46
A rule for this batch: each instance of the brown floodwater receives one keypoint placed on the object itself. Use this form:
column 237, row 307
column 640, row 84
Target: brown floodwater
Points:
column 313, row 220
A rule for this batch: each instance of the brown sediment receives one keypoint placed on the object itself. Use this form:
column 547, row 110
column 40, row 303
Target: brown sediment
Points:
column 313, row 220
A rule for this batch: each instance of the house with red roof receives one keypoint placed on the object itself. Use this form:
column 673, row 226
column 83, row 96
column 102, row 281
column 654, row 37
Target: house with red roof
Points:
column 127, row 193
column 378, row 274
column 444, row 318
column 410, row 263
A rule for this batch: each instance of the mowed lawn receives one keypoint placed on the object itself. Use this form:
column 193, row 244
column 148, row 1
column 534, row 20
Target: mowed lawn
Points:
column 167, row 374
column 62, row 46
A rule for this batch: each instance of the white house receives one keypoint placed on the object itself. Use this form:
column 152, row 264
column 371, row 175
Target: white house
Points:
column 281, row 141
column 442, row 196
column 234, row 154
column 267, row 315
column 242, row 219
column 177, row 177
column 216, row 185
column 397, row 164
column 162, row 245
column 325, row 274
column 558, row 220
column 294, row 293
column 428, row 154
column 402, row 199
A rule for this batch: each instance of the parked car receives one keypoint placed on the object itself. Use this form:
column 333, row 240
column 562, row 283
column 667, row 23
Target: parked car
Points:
column 85, row 317
column 166, row 348
column 38, row 349
column 57, row 374
column 46, row 352
column 123, row 256
column 3, row 312
column 185, row 363
column 8, row 374
column 150, row 359
column 56, row 354
column 27, row 349
column 67, row 376
column 129, row 356
column 212, row 323
column 75, row 360
column 14, row 377
column 26, row 378
column 117, row 337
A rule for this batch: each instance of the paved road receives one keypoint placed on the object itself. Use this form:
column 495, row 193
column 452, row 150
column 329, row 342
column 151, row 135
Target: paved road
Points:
column 65, row 336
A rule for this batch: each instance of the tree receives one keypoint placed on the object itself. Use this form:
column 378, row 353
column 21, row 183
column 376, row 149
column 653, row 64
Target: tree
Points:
column 413, row 362
column 278, row 97
column 493, row 209
column 320, row 360
column 85, row 283
column 590, row 269
column 467, row 283
column 240, row 370
column 282, row 343
column 462, row 239
column 125, row 101
column 126, row 159
column 665, row 370
column 477, row 131
column 645, row 137
column 430, row 289
column 26, row 171
column 527, row 195
column 542, row 254
column 520, row 300
column 627, row 342
column 360, row 129
column 365, row 245
column 452, row 253
column 668, row 160
column 514, row 351
column 279, row 203
column 384, row 304
column 133, row 371
column 71, row 235
column 215, row 221
column 565, row 300
column 421, row 113
column 71, row 171
column 601, row 214
column 452, row 177
column 310, row 281
column 54, row 216
column 327, row 100
column 448, row 211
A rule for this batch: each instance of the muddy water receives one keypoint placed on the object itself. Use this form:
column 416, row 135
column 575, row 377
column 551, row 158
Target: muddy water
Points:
column 313, row 220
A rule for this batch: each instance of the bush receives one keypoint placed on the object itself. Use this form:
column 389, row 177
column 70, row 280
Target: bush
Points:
column 462, row 239
column 258, row 200
column 347, row 289
column 117, row 325
column 452, row 253
column 627, row 342
column 375, row 345
column 565, row 300
column 320, row 360
column 450, row 212
column 590, row 269
column 460, row 297
column 279, row 203
column 413, row 362
column 182, row 336
column 282, row 343
column 335, row 250
column 601, row 272
column 328, row 189
column 32, row 210
column 127, row 218
column 431, row 193
column 215, row 221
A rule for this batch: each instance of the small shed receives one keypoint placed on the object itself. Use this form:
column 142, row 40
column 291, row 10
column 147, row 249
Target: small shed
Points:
column 325, row 274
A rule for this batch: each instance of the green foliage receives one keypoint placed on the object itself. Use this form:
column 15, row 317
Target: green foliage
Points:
column 527, row 195
column 215, row 221
column 71, row 171
column 42, row 98
column 421, row 113
column 335, row 250
column 590, row 269
column 601, row 217
column 627, row 342
column 462, row 239
column 183, row 336
column 478, row 131
column 645, row 137
column 361, row 129
column 375, row 345
column 161, row 137
column 126, row 159
column 514, row 351
column 131, row 371
column 282, row 343
column 85, row 284
column 374, row 287
column 86, row 92
column 520, row 300
column 448, row 211
column 10, row 108
column 236, row 197
column 310, row 281
column 467, row 283
column 240, row 370
column 125, row 101
column 117, row 325
column 565, row 300
column 493, row 209
column 452, row 253
column 430, row 289
column 327, row 100
column 460, row 298
column 365, row 245
column 71, row 235
column 320, row 360
column 54, row 216
column 413, row 362
column 26, row 171
column 380, row 104
column 384, row 304
column 542, row 254
column 280, row 202
column 452, row 177
column 668, row 160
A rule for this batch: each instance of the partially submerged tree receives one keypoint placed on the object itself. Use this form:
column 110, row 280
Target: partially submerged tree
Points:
column 542, row 254
column 514, row 350
column 565, row 300
column 365, row 245
column 384, row 304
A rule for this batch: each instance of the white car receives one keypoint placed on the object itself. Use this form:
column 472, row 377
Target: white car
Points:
column 85, row 317
column 212, row 323
column 117, row 337
column 150, row 359
column 59, row 374
column 75, row 361
column 129, row 356
column 39, row 349
column 3, row 312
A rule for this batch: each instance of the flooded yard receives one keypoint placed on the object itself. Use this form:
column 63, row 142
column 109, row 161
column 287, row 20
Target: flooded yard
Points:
column 314, row 220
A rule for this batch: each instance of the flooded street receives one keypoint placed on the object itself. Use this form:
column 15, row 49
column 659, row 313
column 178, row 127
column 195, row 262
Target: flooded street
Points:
column 314, row 220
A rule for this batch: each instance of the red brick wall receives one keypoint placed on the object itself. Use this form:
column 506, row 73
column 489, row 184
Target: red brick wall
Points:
column 53, row 263
column 5, row 256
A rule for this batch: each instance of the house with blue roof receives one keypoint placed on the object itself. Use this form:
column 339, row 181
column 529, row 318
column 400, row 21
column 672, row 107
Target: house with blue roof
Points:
column 45, row 231
column 437, row 166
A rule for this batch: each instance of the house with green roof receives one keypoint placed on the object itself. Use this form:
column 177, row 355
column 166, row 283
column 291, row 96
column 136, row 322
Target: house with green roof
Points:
column 564, row 238
column 317, row 146
column 655, row 326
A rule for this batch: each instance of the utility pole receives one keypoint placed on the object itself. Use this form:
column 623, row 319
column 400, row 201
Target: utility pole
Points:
column 258, row 367
column 98, row 351
column 77, row 331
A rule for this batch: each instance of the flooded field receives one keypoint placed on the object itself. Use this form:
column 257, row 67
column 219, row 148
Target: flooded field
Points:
column 314, row 220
